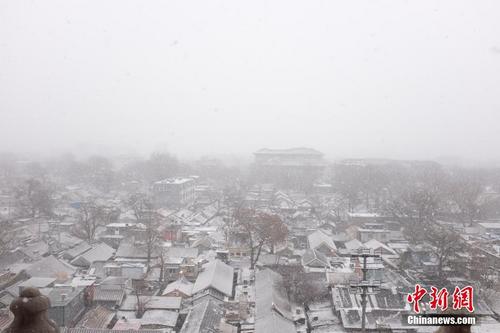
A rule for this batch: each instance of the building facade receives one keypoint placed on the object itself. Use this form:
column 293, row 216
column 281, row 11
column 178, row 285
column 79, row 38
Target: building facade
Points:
column 174, row 192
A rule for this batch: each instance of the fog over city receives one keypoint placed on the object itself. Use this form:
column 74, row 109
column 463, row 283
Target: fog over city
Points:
column 378, row 79
column 225, row 166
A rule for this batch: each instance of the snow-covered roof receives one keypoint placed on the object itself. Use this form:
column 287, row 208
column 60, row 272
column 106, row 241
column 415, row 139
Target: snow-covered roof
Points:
column 182, row 285
column 182, row 252
column 99, row 317
column 375, row 244
column 99, row 252
column 159, row 317
column 128, row 249
column 490, row 225
column 152, row 303
column 50, row 267
column 353, row 244
column 217, row 275
column 318, row 238
column 109, row 293
column 38, row 282
column 122, row 224
column 203, row 317
column 174, row 181
column 314, row 258
column 364, row 215
column 77, row 250
column 35, row 250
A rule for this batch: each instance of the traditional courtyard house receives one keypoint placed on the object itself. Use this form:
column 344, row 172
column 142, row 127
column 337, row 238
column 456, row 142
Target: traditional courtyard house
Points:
column 315, row 259
column 203, row 317
column 179, row 288
column 98, row 252
column 67, row 305
column 322, row 242
column 216, row 280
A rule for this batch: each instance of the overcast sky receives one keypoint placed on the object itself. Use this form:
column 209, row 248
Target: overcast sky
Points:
column 396, row 79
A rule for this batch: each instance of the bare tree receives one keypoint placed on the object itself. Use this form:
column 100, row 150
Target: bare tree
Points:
column 35, row 170
column 375, row 181
column 251, row 235
column 486, row 273
column 259, row 229
column 90, row 216
column 158, row 166
column 161, row 256
column 139, row 203
column 276, row 230
column 141, row 300
column 6, row 235
column 415, row 193
column 8, row 168
column 301, row 288
column 338, row 206
column 482, row 267
column 444, row 244
column 349, row 183
column 416, row 202
column 415, row 206
column 146, row 214
column 100, row 172
column 152, row 238
column 35, row 197
column 465, row 190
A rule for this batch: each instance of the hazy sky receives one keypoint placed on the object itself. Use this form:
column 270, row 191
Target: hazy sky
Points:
column 398, row 79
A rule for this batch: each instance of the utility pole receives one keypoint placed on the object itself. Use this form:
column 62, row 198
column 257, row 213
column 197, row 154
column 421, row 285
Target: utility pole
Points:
column 364, row 284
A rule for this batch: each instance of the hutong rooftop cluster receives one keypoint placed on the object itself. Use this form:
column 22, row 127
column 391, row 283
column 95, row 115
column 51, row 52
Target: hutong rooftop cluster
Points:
column 290, row 243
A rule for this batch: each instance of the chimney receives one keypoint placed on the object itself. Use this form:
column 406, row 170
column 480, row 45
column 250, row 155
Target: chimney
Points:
column 63, row 297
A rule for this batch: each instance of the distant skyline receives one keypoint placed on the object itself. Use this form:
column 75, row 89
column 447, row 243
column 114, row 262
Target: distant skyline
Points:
column 385, row 79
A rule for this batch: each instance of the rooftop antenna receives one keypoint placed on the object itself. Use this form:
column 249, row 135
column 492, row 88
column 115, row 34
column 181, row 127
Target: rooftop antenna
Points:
column 364, row 284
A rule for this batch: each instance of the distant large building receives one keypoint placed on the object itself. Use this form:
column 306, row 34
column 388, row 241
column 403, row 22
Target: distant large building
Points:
column 289, row 168
column 174, row 192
